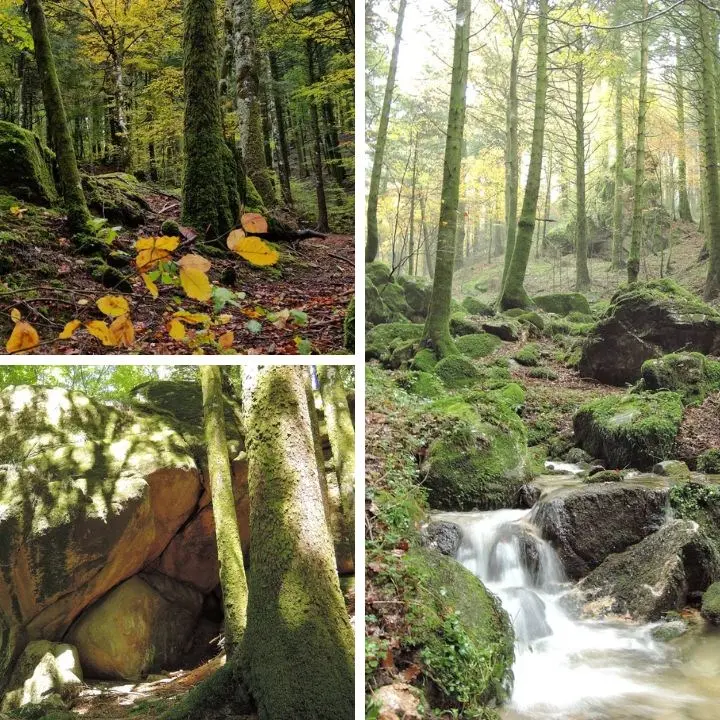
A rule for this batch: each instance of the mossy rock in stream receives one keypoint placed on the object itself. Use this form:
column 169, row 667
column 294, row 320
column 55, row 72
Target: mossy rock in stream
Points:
column 461, row 633
column 632, row 430
column 117, row 197
column 693, row 375
column 710, row 608
column 479, row 457
column 563, row 303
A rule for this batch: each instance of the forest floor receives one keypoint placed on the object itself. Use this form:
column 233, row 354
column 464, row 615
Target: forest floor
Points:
column 46, row 278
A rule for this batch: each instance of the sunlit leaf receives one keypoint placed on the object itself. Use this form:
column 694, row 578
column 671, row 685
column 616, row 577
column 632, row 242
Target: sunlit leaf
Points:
column 176, row 330
column 195, row 284
column 254, row 223
column 225, row 341
column 23, row 337
column 122, row 331
column 256, row 251
column 234, row 238
column 16, row 315
column 193, row 318
column 100, row 330
column 164, row 242
column 224, row 319
column 113, row 305
column 194, row 262
column 150, row 285
column 253, row 326
column 69, row 330
column 146, row 259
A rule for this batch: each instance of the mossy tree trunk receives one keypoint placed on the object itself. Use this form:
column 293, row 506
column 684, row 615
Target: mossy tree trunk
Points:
column 373, row 240
column 342, row 443
column 437, row 325
column 684, row 211
column 633, row 264
column 297, row 655
column 427, row 241
column 207, row 202
column 617, row 230
column 230, row 557
column 412, row 253
column 323, row 223
column 582, row 274
column 513, row 292
column 59, row 130
column 279, row 105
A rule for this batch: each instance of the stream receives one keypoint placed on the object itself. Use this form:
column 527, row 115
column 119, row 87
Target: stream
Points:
column 569, row 669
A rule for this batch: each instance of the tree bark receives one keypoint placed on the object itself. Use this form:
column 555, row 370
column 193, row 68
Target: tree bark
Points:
column 322, row 220
column 617, row 236
column 684, row 211
column 582, row 274
column 412, row 264
column 282, row 134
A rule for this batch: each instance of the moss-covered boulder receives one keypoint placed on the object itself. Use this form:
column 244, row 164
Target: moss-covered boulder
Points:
column 117, row 197
column 456, row 371
column 418, row 293
column 604, row 476
column 383, row 339
column 144, row 625
column 379, row 273
column 26, row 165
column 533, row 319
column 45, row 673
column 462, row 636
column 463, row 324
column 631, row 430
column 709, row 462
column 477, row 345
column 477, row 307
column 563, row 303
column 479, row 456
column 90, row 493
column 675, row 469
column 424, row 360
column 507, row 329
column 528, row 355
column 645, row 321
column 422, row 384
column 710, row 608
column 693, row 375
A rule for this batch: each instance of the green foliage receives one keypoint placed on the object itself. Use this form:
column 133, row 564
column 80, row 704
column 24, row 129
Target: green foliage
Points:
column 424, row 360
column 709, row 462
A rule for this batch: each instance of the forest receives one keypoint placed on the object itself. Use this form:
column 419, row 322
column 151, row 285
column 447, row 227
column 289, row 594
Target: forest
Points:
column 192, row 161
column 542, row 344
column 177, row 542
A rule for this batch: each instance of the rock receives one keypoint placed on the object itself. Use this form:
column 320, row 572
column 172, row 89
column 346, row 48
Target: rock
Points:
column 456, row 372
column 710, row 608
column 709, row 462
column 477, row 307
column 601, row 475
column 418, row 292
column 398, row 701
column 424, row 360
column 669, row 630
column 632, row 430
column 379, row 273
column 26, row 165
column 595, row 469
column 382, row 340
column 376, row 311
column 534, row 319
column 528, row 356
column 577, row 456
column 117, row 197
column 527, row 610
column 588, row 523
column 443, row 536
column 45, row 673
column 652, row 577
column 393, row 296
column 648, row 320
column 563, row 303
column 508, row 330
column 673, row 469
column 423, row 384
column 144, row 625
column 479, row 458
column 528, row 495
column 463, row 324
column 477, row 345
column 91, row 493
column 692, row 375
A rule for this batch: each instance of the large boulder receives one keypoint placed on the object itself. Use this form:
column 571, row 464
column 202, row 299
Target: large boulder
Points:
column 692, row 375
column 144, row 625
column 45, row 673
column 563, row 303
column 26, row 165
column 382, row 340
column 418, row 293
column 710, row 608
column 654, row 576
column 479, row 459
column 644, row 321
column 90, row 494
column 588, row 523
column 117, row 197
column 631, row 430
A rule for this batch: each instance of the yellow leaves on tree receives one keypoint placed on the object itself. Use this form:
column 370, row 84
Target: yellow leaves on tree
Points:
column 23, row 337
column 253, row 249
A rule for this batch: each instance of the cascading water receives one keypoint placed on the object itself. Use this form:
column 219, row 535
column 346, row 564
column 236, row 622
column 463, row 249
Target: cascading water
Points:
column 581, row 670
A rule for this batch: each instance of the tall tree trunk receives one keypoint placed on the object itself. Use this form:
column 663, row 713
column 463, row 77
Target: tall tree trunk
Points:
column 119, row 132
column 582, row 274
column 437, row 325
column 633, row 265
column 297, row 654
column 227, row 534
column 371, row 248
column 548, row 194
column 617, row 232
column 322, row 221
column 412, row 270
column 59, row 130
column 708, row 46
column 684, row 201
column 427, row 244
column 513, row 293
column 282, row 135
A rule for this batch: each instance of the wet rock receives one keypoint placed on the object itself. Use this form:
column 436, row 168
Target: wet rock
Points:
column 398, row 701
column 595, row 469
column 527, row 610
column 587, row 524
column 669, row 630
column 673, row 469
column 654, row 576
column 528, row 495
column 710, row 608
column 577, row 456
column 443, row 536
column 601, row 475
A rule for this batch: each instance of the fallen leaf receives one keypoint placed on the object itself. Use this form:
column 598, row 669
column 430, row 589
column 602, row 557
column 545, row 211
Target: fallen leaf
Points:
column 254, row 223
column 23, row 337
column 69, row 330
column 194, row 262
column 193, row 318
column 122, row 331
column 226, row 339
column 113, row 305
column 195, row 284
column 16, row 315
column 256, row 251
column 150, row 285
column 100, row 330
column 234, row 238
column 176, row 330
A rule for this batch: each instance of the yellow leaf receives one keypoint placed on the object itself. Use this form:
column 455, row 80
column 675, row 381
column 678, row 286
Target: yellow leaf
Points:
column 146, row 259
column 23, row 337
column 113, row 305
column 176, row 330
column 15, row 315
column 195, row 284
column 69, row 330
column 192, row 318
column 100, row 330
column 234, row 238
column 122, row 331
column 255, row 251
column 17, row 211
column 254, row 223
column 165, row 242
column 150, row 285
column 194, row 262
column 226, row 339
column 223, row 319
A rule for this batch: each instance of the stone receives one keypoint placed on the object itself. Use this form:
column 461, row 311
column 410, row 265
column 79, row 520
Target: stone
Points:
column 692, row 375
column 710, row 608
column 26, row 165
column 528, row 495
column 379, row 273
column 477, row 307
column 398, row 701
column 463, row 324
column 45, row 673
column 508, row 330
column 673, row 469
column 143, row 626
column 563, row 303
column 587, row 524
column 577, row 456
column 477, row 345
column 599, row 474
column 652, row 577
column 645, row 321
column 456, row 371
column 669, row 630
column 116, row 197
column 383, row 339
column 443, row 536
column 418, row 293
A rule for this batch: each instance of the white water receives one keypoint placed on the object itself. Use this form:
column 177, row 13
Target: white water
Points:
column 581, row 670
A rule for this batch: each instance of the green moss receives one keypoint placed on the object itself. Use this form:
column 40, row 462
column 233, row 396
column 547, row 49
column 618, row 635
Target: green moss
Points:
column 424, row 360
column 477, row 345
column 563, row 326
column 711, row 603
column 579, row 317
column 563, row 303
column 543, row 373
column 170, row 228
column 381, row 340
column 693, row 375
column 514, row 312
column 700, row 502
column 685, row 301
column 529, row 355
column 379, row 273
column 349, row 327
column 532, row 318
column 604, row 476
column 423, row 384
column 476, row 307
column 463, row 324
column 513, row 394
column 709, row 462
column 418, row 292
column 376, row 311
column 456, row 371
column 635, row 430
column 393, row 296
column 118, row 197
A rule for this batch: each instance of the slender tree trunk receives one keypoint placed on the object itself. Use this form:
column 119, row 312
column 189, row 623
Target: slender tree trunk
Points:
column 282, row 135
column 412, row 252
column 582, row 274
column 297, row 654
column 323, row 223
column 120, row 134
column 429, row 254
column 684, row 201
column 437, row 325
column 59, row 130
column 371, row 248
column 617, row 236
column 633, row 265
column 513, row 292
column 460, row 235
column 227, row 534
column 548, row 191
